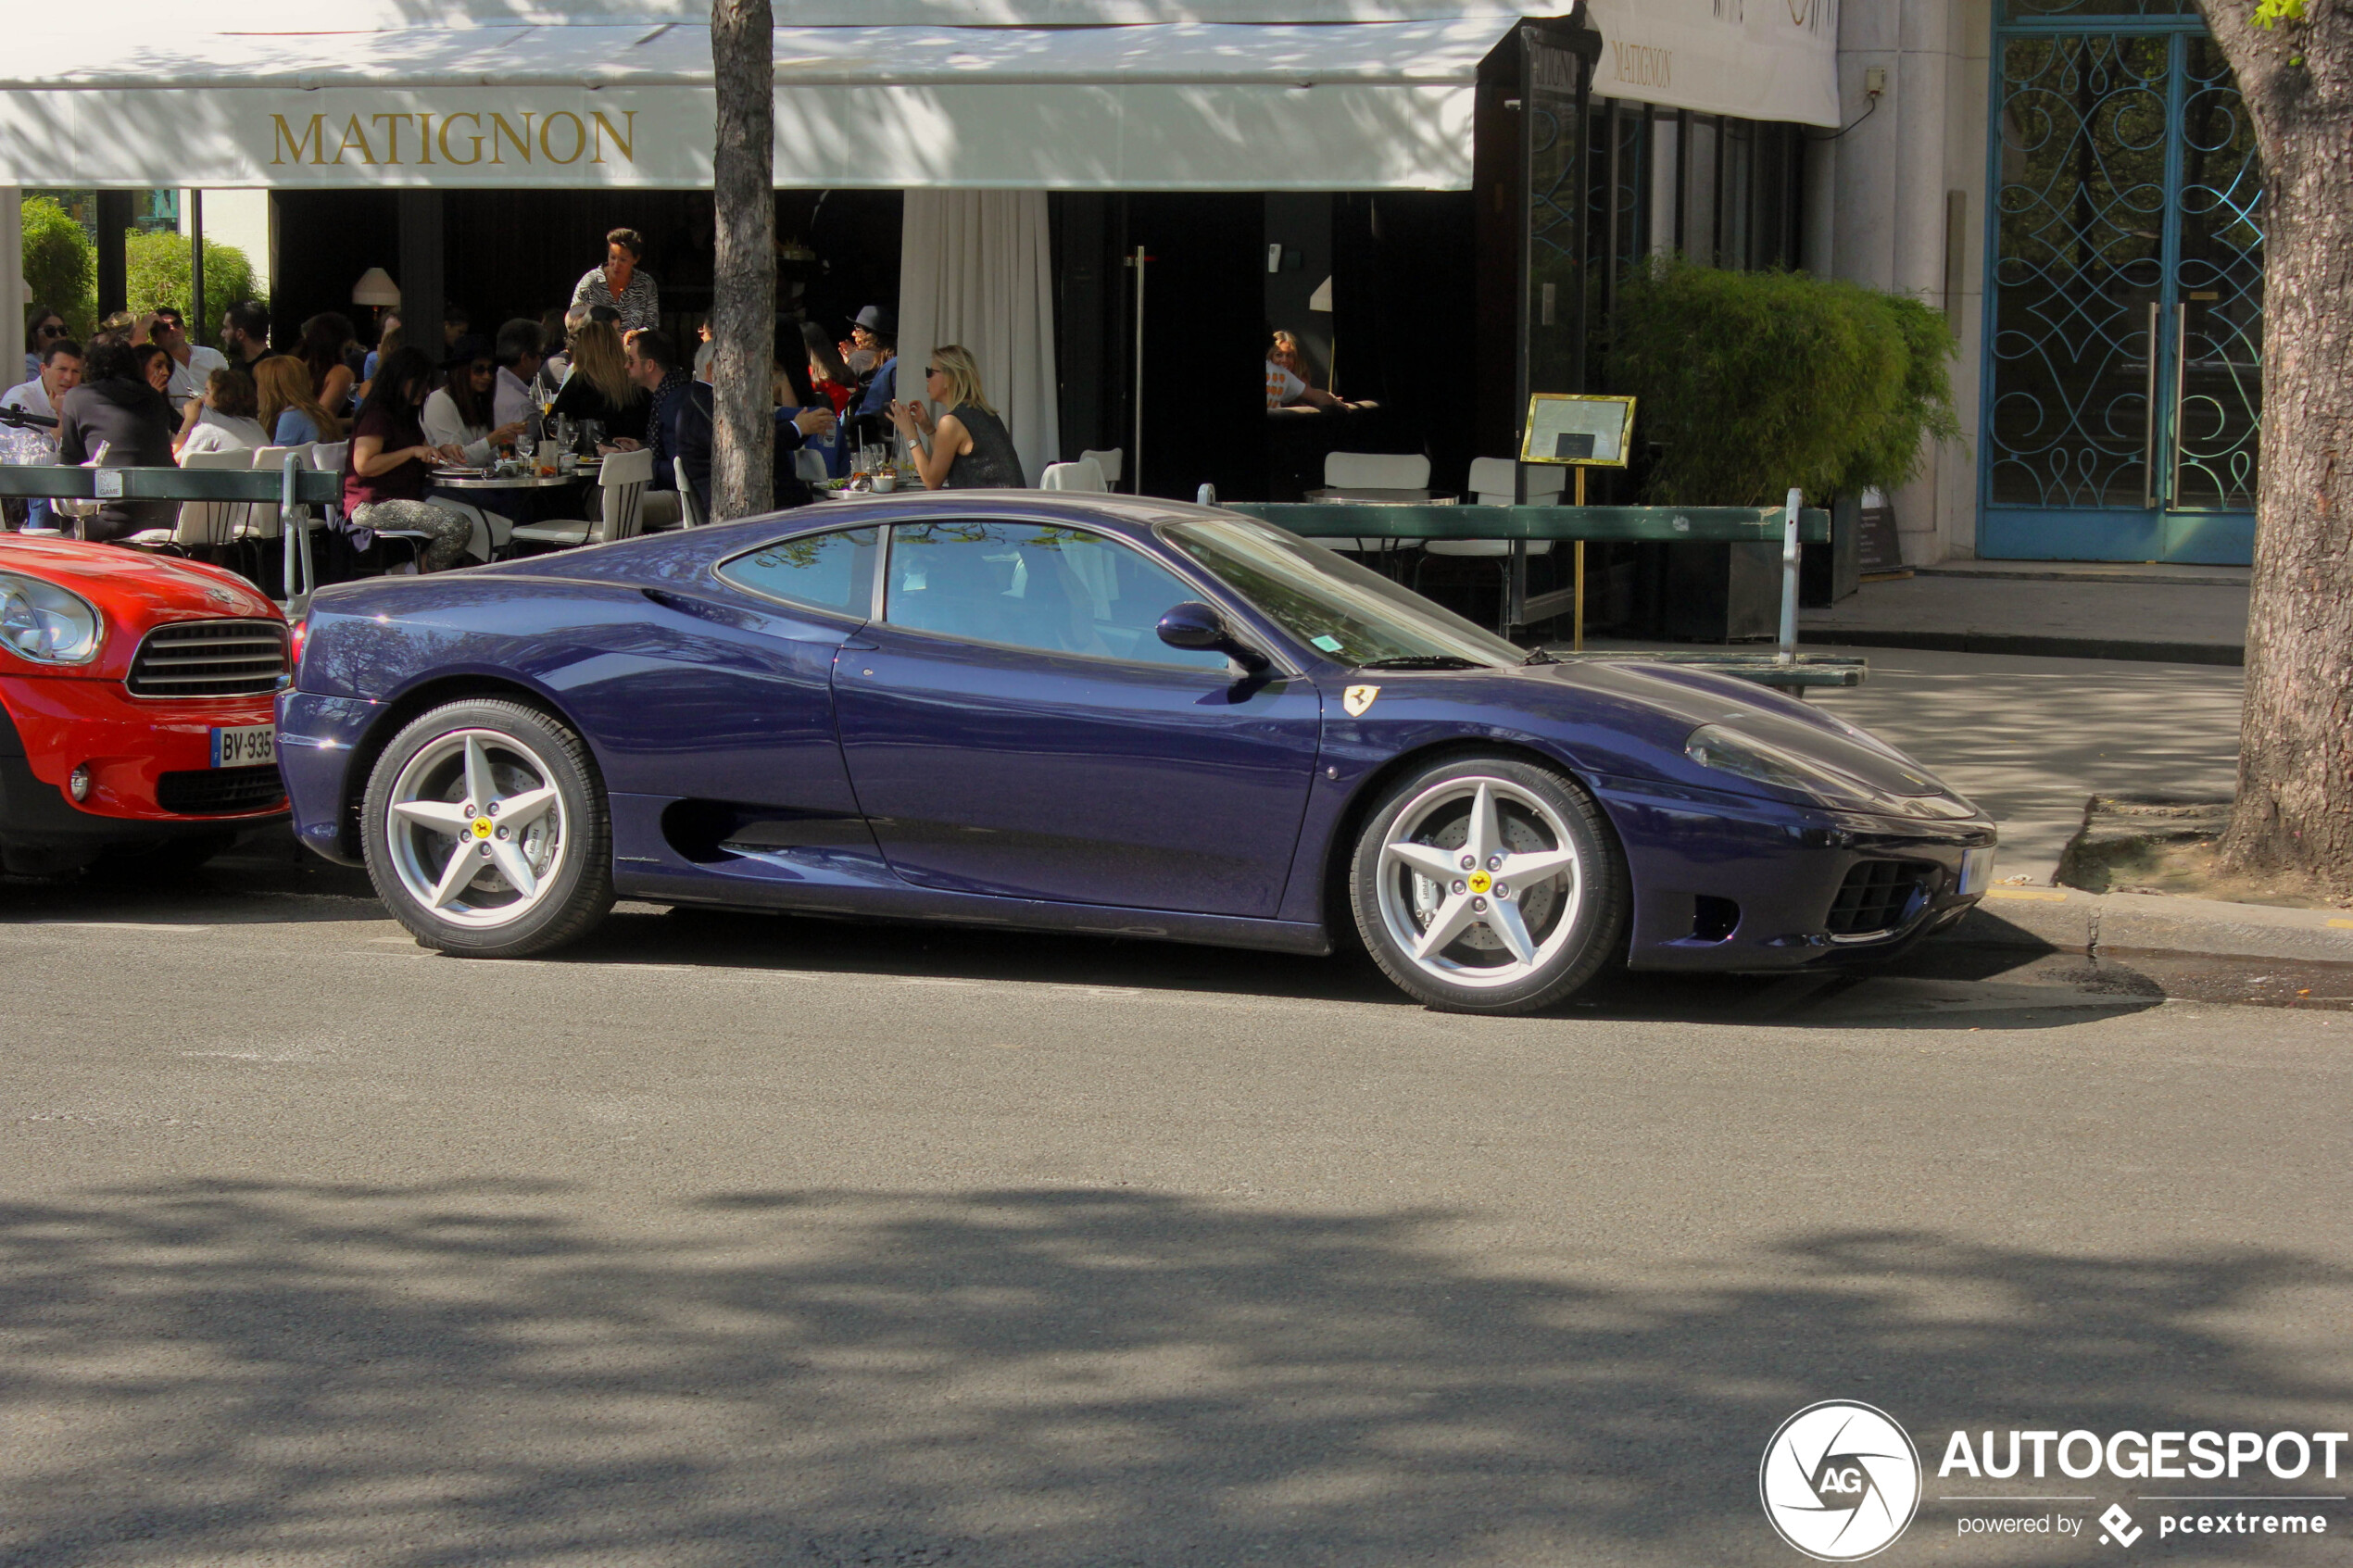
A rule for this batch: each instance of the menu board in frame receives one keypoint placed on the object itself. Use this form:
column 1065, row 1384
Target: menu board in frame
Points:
column 1572, row 428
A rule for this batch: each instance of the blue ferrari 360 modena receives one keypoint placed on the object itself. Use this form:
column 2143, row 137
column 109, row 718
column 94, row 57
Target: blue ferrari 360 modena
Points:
column 1102, row 714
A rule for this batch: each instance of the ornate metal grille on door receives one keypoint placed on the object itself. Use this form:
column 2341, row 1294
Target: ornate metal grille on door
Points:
column 2122, row 375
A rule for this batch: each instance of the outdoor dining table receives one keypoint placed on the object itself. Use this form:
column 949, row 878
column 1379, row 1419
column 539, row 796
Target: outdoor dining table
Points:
column 524, row 497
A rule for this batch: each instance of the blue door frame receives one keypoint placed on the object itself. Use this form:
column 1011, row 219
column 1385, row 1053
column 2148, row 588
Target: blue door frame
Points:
column 2121, row 384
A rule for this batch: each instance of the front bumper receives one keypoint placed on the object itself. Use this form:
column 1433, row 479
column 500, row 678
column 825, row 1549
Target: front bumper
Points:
column 57, row 723
column 1773, row 872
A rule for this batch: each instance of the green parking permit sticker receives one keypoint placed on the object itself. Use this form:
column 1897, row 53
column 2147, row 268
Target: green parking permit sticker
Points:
column 1329, row 642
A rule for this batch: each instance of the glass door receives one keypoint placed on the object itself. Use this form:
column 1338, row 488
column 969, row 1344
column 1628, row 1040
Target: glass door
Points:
column 2123, row 378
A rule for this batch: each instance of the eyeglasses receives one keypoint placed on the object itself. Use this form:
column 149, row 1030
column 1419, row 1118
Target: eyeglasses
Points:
column 47, row 329
column 932, row 371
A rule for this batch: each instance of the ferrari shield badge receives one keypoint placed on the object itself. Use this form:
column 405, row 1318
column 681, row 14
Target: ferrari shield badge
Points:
column 1358, row 699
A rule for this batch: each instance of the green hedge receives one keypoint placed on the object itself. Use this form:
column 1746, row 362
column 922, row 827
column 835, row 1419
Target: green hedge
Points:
column 60, row 264
column 1751, row 382
column 155, row 273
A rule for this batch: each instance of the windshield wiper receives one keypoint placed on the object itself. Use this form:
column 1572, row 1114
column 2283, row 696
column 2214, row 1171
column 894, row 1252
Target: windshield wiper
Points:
column 1537, row 657
column 1424, row 662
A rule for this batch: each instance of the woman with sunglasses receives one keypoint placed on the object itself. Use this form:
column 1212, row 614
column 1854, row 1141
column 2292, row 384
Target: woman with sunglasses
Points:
column 967, row 447
column 458, row 414
column 43, row 327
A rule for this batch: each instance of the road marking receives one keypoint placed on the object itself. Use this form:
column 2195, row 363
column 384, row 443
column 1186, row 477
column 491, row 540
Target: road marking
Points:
column 2036, row 894
column 2343, row 924
column 112, row 925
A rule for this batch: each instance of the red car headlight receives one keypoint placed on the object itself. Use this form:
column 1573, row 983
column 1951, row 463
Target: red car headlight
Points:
column 49, row 625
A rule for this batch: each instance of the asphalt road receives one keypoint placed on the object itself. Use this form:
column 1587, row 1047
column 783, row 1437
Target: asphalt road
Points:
column 751, row 1240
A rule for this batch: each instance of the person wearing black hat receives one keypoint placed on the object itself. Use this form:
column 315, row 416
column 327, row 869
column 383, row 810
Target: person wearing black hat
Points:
column 876, row 330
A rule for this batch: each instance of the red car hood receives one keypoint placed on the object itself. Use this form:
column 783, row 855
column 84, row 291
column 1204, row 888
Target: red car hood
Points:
column 133, row 590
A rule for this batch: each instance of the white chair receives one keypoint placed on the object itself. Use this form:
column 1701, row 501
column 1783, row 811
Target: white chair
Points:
column 810, row 466
column 266, row 523
column 1084, row 474
column 1107, row 463
column 621, row 486
column 1492, row 481
column 690, row 510
column 1373, row 476
column 201, row 525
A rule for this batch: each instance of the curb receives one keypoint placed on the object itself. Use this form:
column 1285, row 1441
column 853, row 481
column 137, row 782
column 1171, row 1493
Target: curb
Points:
column 2120, row 575
column 2027, row 646
column 2063, row 919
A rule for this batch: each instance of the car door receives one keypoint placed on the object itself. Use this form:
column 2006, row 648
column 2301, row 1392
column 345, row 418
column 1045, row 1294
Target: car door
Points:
column 1017, row 728
column 723, row 691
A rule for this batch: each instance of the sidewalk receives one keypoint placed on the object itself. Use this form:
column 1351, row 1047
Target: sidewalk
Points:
column 2065, row 609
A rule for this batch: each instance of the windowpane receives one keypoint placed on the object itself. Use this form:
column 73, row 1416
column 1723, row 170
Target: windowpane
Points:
column 833, row 571
column 1030, row 586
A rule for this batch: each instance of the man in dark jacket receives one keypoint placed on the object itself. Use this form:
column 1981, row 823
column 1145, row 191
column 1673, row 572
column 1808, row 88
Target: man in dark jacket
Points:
column 115, row 407
column 793, row 427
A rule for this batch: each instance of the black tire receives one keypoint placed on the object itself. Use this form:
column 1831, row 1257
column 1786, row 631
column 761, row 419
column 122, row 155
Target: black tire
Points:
column 1589, row 935
column 580, row 893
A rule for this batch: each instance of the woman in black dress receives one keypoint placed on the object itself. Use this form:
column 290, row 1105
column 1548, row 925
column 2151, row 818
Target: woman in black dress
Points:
column 967, row 447
column 599, row 387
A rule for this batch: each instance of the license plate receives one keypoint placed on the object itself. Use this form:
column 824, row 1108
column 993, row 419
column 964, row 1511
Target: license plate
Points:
column 1977, row 870
column 247, row 745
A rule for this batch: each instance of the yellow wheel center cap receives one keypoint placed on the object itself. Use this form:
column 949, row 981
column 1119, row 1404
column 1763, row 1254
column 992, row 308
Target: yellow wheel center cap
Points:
column 1480, row 882
column 482, row 827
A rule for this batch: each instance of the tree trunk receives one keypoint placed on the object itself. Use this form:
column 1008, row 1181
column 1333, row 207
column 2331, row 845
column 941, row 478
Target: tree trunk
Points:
column 743, row 313
column 2295, row 810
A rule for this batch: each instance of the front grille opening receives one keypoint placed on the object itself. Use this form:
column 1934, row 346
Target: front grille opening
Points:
column 220, row 792
column 1714, row 919
column 1878, row 896
column 210, row 658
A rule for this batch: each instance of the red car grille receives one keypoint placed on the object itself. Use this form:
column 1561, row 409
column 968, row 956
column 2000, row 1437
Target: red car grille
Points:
column 210, row 658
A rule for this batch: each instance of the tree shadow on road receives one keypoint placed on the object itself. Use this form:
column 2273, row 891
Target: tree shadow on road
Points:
column 474, row 1373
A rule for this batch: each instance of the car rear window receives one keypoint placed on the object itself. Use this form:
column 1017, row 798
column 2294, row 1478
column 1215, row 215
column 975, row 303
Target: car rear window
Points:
column 831, row 571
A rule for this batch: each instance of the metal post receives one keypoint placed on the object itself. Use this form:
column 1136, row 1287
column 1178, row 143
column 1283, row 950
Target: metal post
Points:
column 196, row 266
column 289, row 525
column 1136, row 458
column 1789, row 580
column 1578, row 554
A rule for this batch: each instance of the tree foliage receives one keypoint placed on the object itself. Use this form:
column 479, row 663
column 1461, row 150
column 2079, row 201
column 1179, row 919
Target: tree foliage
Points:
column 1751, row 382
column 157, row 268
column 60, row 264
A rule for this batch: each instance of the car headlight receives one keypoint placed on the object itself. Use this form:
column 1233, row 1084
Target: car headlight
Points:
column 1728, row 751
column 41, row 621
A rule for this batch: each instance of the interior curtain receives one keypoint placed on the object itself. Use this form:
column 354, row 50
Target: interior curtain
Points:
column 976, row 267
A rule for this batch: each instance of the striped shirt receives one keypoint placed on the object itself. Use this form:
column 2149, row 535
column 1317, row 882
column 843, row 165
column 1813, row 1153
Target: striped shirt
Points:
column 640, row 303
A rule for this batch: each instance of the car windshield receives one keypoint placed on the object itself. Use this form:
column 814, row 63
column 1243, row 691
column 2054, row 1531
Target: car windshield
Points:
column 1351, row 614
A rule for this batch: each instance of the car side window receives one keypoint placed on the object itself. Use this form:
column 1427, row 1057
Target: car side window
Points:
column 831, row 571
column 1034, row 585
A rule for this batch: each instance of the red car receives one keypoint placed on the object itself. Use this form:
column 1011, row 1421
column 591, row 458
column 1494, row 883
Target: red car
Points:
column 135, row 696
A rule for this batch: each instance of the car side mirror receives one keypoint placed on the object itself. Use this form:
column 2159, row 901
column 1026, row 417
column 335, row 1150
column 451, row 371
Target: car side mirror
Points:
column 1199, row 626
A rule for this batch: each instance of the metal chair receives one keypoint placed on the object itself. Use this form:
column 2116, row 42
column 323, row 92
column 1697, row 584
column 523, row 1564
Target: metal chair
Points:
column 623, row 486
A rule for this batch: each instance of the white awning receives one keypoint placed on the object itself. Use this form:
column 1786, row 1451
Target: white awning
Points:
column 1375, row 105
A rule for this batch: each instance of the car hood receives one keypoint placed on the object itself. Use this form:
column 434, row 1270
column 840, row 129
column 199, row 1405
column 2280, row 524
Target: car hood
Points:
column 131, row 589
column 1629, row 718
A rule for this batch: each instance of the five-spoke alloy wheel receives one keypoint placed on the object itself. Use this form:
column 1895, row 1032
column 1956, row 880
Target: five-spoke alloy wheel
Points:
column 1488, row 885
column 486, row 831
